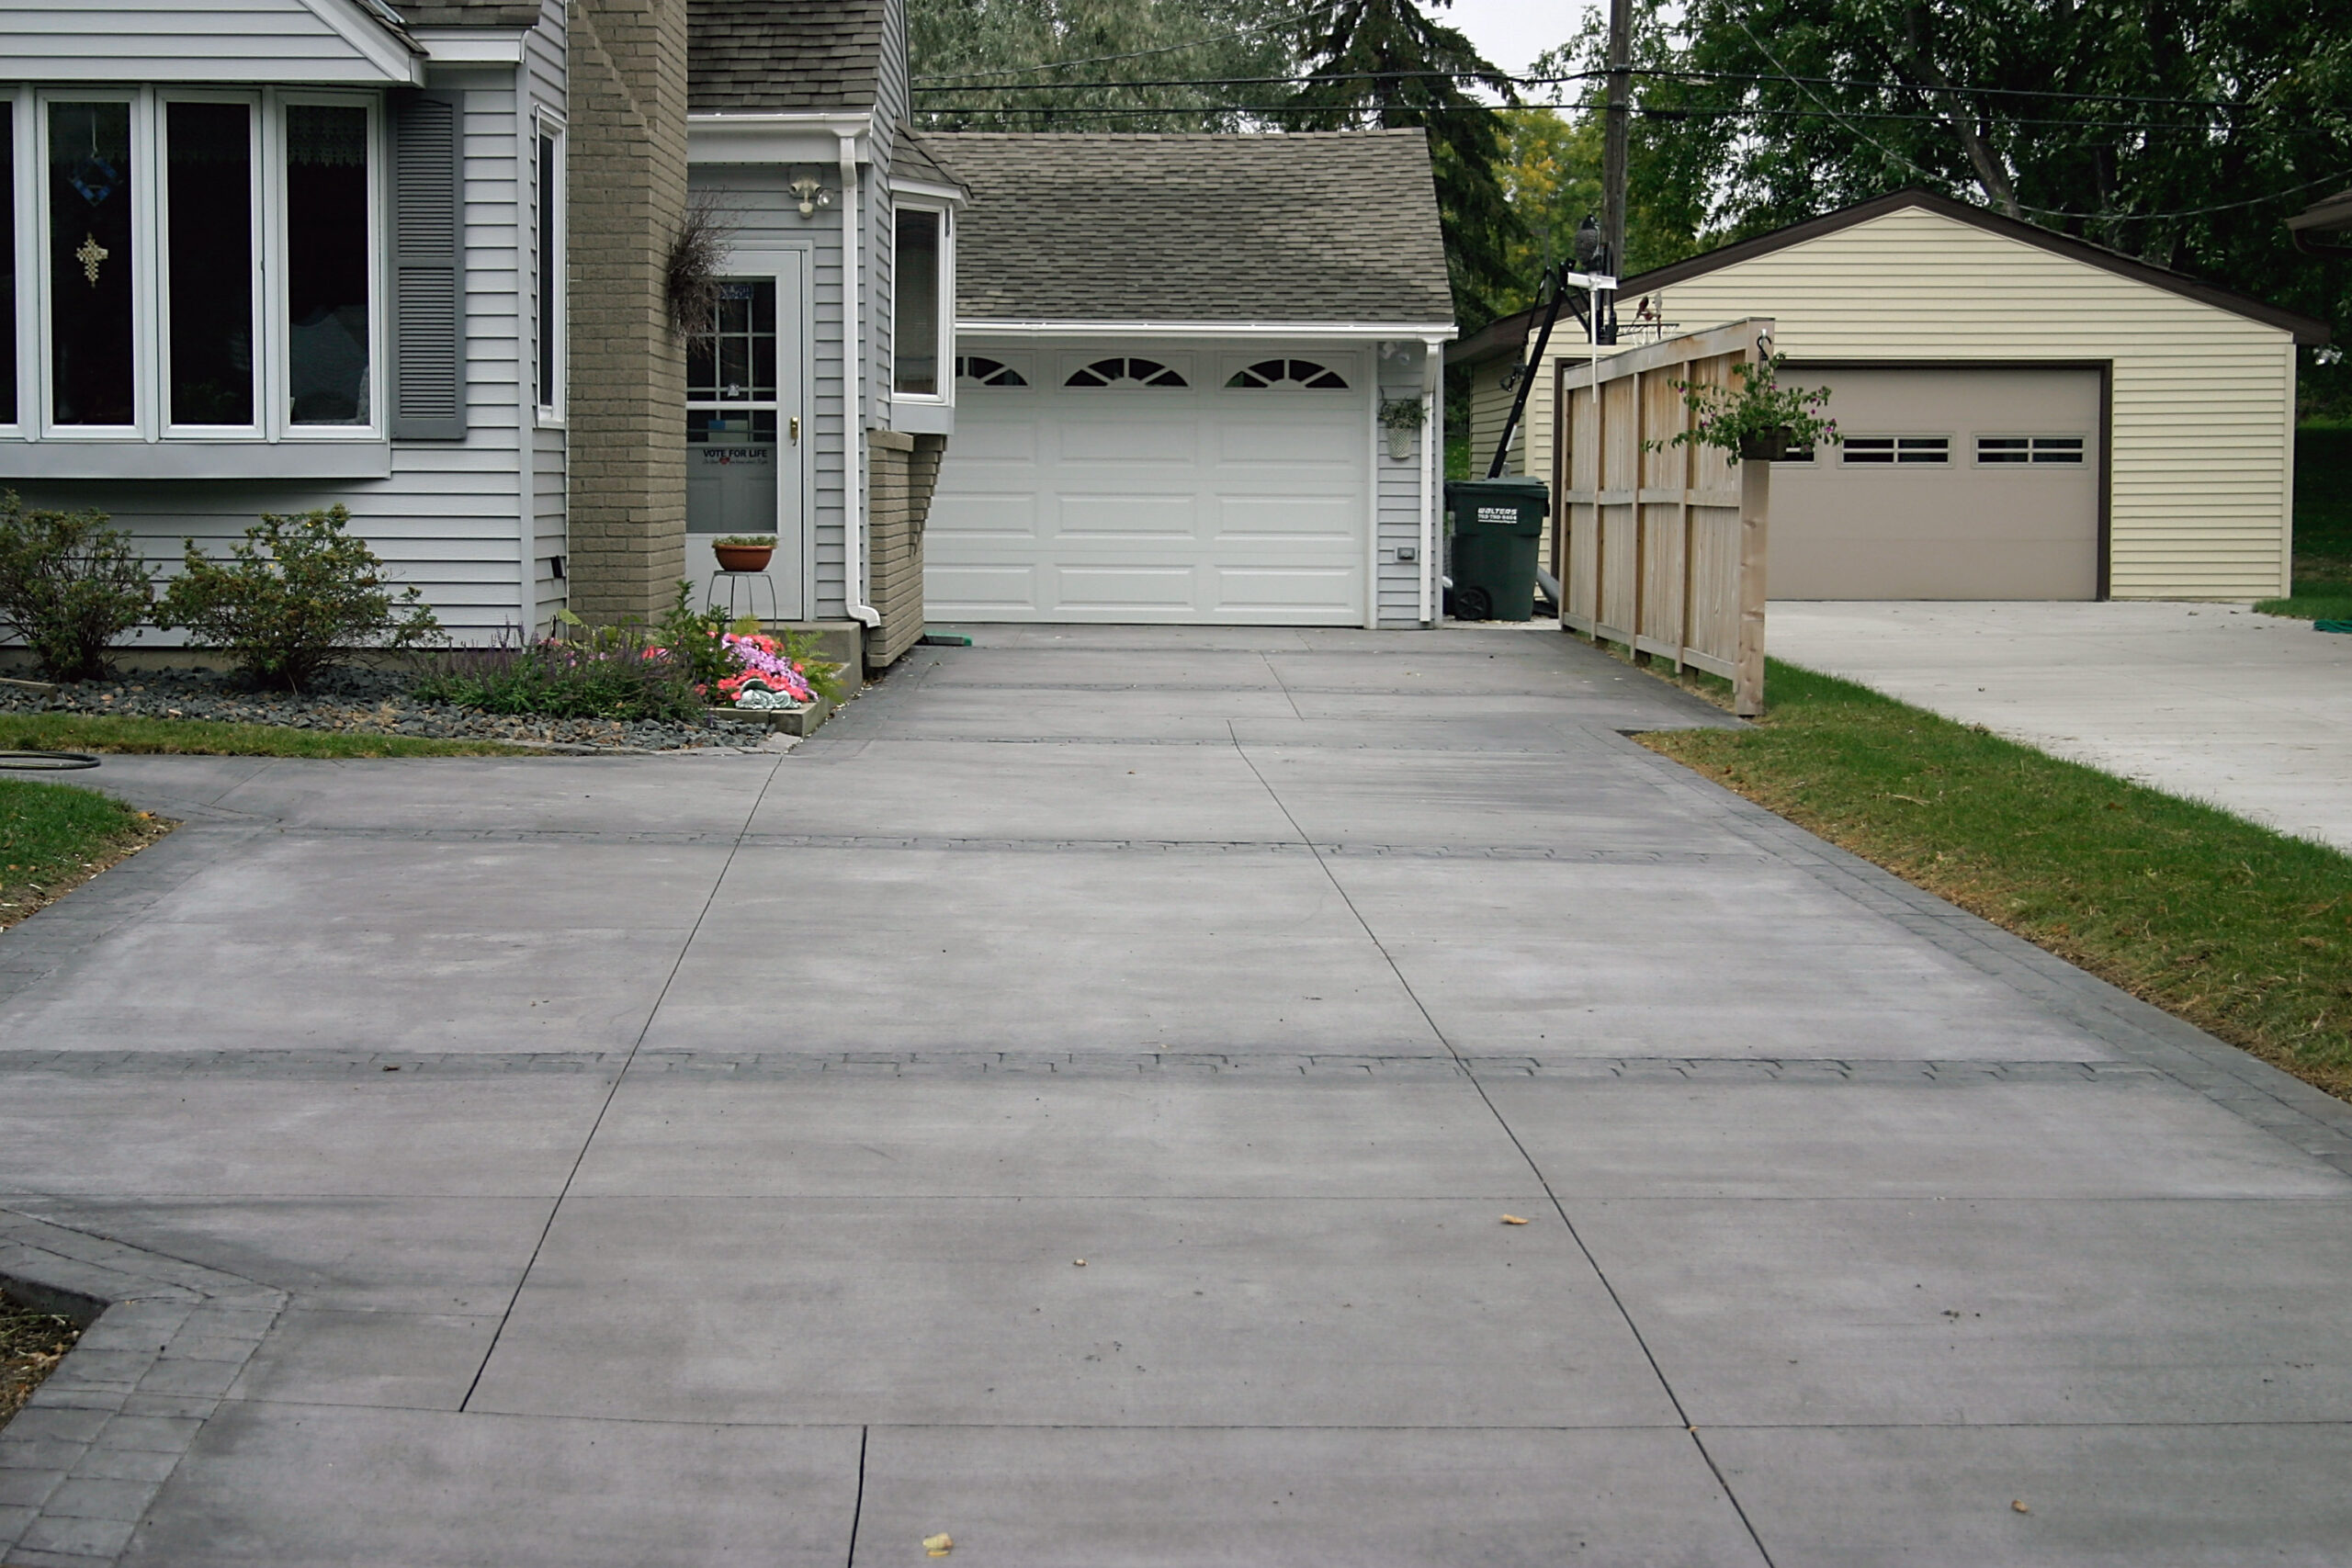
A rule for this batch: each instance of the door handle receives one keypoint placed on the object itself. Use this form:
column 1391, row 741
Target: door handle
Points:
column 795, row 430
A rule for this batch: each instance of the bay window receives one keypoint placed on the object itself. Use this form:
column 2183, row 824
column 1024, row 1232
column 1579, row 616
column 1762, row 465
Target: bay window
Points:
column 919, row 337
column 205, row 265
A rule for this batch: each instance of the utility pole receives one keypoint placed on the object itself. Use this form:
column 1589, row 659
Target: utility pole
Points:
column 1613, row 153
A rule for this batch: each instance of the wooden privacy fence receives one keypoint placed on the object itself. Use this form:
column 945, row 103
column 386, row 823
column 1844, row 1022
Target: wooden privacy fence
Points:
column 1662, row 550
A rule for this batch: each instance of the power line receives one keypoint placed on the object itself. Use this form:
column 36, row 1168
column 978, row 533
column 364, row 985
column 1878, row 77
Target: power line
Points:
column 1733, row 111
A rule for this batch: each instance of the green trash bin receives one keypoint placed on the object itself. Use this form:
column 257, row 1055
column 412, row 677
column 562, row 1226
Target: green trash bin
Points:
column 1498, row 528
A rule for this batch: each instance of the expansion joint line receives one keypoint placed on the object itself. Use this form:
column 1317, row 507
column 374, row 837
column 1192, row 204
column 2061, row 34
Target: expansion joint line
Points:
column 857, row 1504
column 1623, row 1313
column 709, row 901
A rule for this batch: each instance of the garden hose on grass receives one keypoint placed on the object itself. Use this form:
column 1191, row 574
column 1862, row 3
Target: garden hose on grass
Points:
column 47, row 762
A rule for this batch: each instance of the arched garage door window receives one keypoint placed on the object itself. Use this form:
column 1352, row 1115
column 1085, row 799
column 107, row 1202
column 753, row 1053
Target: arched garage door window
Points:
column 1287, row 374
column 1125, row 373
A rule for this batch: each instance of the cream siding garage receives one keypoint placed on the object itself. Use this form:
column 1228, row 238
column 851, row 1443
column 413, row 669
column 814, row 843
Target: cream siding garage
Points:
column 2201, row 390
column 1147, row 500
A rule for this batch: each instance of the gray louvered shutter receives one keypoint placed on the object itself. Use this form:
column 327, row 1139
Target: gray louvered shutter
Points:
column 428, row 267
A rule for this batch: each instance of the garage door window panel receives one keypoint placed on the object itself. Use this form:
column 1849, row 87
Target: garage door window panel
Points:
column 2024, row 451
column 978, row 370
column 1896, row 451
column 1286, row 374
column 1124, row 373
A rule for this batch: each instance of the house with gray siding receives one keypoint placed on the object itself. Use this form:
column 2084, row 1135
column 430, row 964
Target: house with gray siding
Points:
column 413, row 256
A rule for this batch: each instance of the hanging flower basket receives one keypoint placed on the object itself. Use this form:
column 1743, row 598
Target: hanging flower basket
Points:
column 1760, row 420
column 1776, row 445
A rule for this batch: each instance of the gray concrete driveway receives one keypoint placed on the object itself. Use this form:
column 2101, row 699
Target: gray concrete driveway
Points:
column 2252, row 713
column 1070, row 1103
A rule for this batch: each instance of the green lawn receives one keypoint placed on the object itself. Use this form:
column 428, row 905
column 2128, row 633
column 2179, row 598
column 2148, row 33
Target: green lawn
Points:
column 54, row 838
column 2323, row 527
column 2242, row 931
column 195, row 736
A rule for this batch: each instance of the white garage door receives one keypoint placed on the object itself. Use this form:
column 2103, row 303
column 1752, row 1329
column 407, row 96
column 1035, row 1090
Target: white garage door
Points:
column 1952, row 483
column 1126, row 484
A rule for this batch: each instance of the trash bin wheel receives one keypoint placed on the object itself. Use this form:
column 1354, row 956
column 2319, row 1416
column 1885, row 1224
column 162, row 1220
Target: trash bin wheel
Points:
column 1472, row 604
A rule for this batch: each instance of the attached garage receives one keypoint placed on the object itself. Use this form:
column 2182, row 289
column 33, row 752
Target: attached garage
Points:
column 2027, row 415
column 1171, row 371
column 1088, row 484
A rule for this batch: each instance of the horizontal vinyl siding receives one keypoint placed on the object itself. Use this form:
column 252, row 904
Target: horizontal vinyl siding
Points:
column 448, row 519
column 1490, row 406
column 180, row 40
column 544, row 87
column 2201, row 451
column 1396, row 586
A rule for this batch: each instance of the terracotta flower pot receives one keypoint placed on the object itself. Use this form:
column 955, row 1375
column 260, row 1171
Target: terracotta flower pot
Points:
column 743, row 558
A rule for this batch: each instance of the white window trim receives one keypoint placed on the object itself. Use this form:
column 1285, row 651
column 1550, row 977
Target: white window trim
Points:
column 551, row 410
column 1018, row 364
column 945, row 307
column 1343, row 365
column 150, row 293
column 1182, row 364
column 1895, row 463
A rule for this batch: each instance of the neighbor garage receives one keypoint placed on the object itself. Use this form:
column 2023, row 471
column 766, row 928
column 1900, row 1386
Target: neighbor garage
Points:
column 1172, row 357
column 2026, row 415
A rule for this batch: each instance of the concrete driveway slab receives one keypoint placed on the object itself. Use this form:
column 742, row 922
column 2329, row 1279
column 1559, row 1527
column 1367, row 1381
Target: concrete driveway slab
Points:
column 272, row 1131
column 1252, row 1312
column 753, row 1111
column 2114, row 1497
column 2129, row 1135
column 1090, row 1498
column 301, row 1485
column 1159, row 793
column 1041, row 1135
column 2253, row 713
column 954, row 949
column 1971, row 1312
column 463, row 1256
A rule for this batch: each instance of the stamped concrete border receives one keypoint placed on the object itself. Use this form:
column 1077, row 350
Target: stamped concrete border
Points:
column 82, row 1462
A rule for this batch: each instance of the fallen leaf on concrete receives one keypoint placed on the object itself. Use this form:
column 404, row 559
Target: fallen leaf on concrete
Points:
column 2020, row 1508
column 938, row 1545
column 1514, row 1220
column 1077, row 1262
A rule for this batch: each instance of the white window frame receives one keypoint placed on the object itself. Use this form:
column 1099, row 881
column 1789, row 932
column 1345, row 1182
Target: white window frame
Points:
column 281, row 423
column 24, row 166
column 1182, row 364
column 258, row 294
column 1341, row 365
column 1018, row 364
column 1895, row 463
column 546, row 124
column 945, row 311
column 143, row 250
column 150, row 297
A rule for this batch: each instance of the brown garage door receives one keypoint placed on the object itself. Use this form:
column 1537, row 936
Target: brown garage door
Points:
column 1951, row 484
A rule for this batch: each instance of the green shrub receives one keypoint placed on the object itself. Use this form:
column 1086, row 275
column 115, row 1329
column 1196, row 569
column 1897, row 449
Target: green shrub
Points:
column 69, row 586
column 297, row 592
column 607, row 672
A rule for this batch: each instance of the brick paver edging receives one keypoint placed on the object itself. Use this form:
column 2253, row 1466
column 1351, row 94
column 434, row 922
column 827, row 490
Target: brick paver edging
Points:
column 166, row 1339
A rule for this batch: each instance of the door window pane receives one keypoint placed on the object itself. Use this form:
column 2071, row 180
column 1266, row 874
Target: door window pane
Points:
column 735, row 361
column 730, row 471
column 89, row 261
column 326, row 263
column 915, row 338
column 8, row 265
column 208, row 155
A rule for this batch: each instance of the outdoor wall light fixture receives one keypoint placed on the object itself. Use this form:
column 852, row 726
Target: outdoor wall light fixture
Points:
column 812, row 194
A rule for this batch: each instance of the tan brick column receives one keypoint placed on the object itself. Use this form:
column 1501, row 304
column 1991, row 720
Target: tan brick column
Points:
column 627, row 397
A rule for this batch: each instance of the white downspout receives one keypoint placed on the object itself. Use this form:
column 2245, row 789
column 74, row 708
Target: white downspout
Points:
column 527, row 362
column 1432, row 448
column 853, row 401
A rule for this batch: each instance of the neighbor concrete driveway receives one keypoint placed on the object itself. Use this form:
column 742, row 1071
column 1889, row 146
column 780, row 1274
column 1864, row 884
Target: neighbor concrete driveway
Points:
column 1072, row 1103
column 2253, row 713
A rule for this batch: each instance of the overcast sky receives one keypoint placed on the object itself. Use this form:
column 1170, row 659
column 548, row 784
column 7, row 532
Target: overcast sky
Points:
column 1511, row 33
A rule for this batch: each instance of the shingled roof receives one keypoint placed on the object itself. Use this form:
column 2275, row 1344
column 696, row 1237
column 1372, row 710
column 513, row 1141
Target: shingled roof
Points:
column 469, row 13
column 1326, row 227
column 782, row 54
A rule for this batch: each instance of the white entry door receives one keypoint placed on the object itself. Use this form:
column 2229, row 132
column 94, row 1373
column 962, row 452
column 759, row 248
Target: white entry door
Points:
column 744, row 436
column 1126, row 482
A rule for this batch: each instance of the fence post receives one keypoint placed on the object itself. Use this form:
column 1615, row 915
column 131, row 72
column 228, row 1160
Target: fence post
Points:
column 1755, row 500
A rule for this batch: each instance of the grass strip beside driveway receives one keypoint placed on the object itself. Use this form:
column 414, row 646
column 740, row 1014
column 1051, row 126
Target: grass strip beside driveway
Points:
column 54, row 838
column 210, row 737
column 2245, row 932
